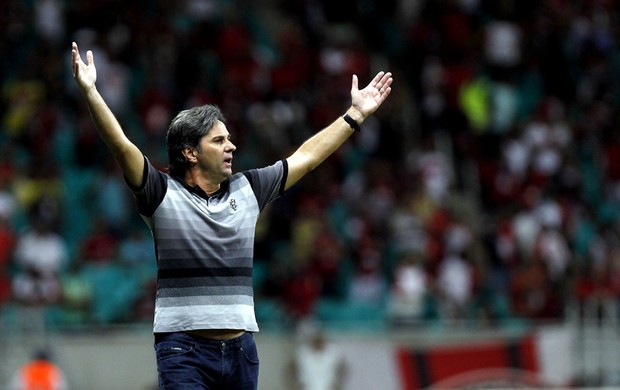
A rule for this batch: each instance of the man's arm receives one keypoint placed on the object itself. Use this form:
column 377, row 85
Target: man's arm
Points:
column 321, row 145
column 126, row 154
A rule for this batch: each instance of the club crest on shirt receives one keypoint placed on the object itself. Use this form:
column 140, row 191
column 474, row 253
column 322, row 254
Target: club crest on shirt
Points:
column 233, row 204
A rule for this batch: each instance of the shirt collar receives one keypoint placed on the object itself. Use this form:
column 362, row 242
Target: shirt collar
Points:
column 200, row 192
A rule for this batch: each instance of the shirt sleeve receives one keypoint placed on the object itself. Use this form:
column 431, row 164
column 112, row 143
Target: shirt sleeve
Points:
column 152, row 191
column 268, row 182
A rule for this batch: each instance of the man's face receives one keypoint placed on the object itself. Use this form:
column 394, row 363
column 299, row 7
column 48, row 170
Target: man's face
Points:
column 216, row 153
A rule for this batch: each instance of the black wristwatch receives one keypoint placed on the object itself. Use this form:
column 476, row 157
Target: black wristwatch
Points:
column 352, row 122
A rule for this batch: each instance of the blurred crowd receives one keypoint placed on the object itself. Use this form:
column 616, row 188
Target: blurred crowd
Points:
column 486, row 189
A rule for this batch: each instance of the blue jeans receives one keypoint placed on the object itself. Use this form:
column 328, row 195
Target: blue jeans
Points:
column 194, row 363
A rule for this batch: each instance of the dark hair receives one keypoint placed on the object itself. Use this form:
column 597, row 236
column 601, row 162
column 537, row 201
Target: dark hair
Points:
column 185, row 131
column 42, row 353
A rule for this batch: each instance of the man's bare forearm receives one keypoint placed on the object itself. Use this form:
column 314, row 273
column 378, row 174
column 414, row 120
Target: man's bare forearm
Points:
column 317, row 149
column 128, row 156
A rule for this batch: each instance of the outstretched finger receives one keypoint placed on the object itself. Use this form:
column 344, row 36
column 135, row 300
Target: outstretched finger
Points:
column 385, row 82
column 75, row 57
column 386, row 92
column 90, row 58
column 354, row 83
column 75, row 54
column 377, row 79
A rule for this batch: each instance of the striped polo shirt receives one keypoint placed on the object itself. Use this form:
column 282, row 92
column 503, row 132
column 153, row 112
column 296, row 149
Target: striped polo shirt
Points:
column 205, row 245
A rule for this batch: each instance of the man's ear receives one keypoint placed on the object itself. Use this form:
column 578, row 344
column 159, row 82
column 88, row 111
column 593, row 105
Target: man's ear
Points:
column 190, row 154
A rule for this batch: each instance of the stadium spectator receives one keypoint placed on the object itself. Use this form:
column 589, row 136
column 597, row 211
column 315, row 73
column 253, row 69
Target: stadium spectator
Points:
column 317, row 363
column 40, row 256
column 41, row 373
